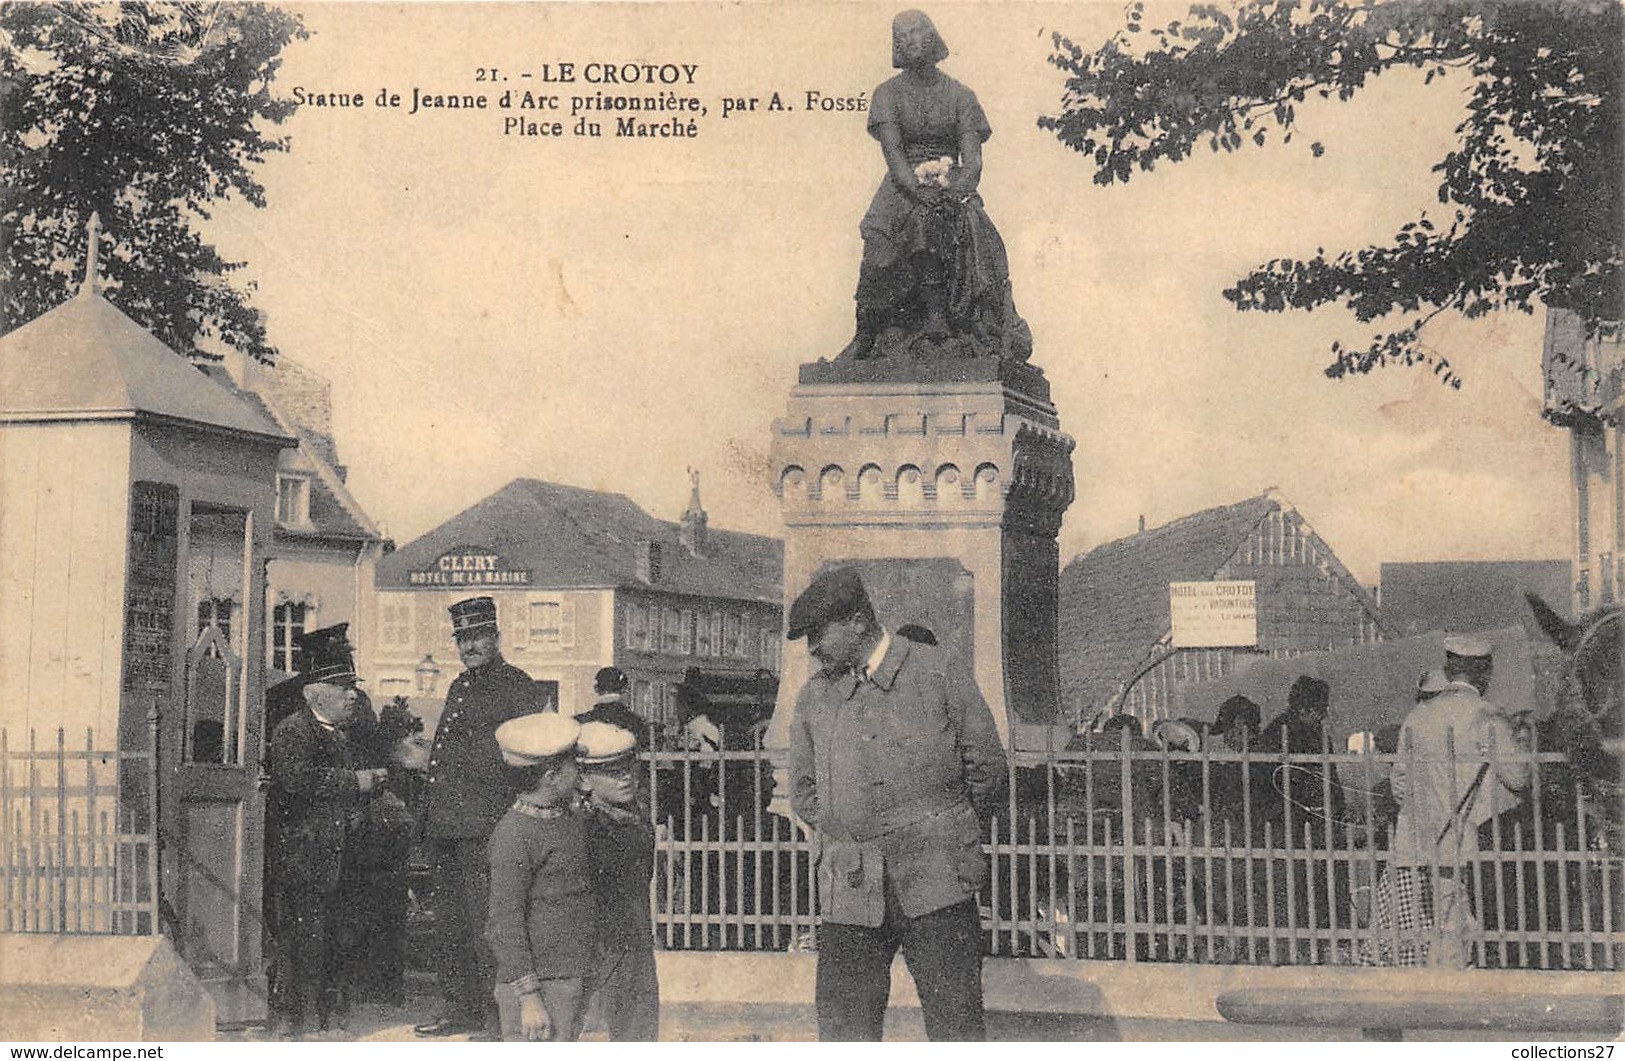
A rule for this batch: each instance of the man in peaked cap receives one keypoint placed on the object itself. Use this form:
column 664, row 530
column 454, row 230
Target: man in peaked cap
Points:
column 1458, row 765
column 620, row 853
column 468, row 791
column 286, row 697
column 317, row 792
column 894, row 758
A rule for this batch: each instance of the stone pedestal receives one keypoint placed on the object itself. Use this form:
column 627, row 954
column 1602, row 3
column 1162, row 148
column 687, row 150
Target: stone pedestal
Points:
column 944, row 483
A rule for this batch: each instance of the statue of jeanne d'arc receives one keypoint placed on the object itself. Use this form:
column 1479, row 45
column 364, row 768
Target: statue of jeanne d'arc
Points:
column 935, row 280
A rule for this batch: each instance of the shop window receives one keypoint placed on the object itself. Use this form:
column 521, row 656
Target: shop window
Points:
column 770, row 650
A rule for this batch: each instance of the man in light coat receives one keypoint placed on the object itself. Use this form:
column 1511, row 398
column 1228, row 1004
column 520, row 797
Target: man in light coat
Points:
column 1459, row 763
column 894, row 759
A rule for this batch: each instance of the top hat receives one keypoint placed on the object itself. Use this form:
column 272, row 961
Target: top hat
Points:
column 836, row 594
column 473, row 614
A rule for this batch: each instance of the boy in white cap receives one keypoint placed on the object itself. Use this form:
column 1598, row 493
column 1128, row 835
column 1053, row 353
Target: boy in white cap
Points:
column 620, row 852
column 541, row 906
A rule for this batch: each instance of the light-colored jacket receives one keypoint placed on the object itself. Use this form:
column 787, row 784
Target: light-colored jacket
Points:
column 1445, row 745
column 890, row 772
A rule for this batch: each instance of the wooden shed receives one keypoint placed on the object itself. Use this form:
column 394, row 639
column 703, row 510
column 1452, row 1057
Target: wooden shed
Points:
column 132, row 488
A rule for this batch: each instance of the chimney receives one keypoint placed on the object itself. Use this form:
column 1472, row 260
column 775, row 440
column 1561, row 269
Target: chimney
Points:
column 692, row 531
column 1142, row 523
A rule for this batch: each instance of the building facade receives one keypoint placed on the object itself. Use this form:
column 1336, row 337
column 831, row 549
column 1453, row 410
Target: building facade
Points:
column 1119, row 652
column 582, row 579
column 1461, row 595
column 1585, row 393
column 326, row 546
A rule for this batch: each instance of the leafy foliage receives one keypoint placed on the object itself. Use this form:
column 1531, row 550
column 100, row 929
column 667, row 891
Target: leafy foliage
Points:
column 146, row 113
column 1531, row 193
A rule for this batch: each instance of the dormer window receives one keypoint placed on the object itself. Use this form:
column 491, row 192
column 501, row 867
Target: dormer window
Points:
column 292, row 500
column 648, row 556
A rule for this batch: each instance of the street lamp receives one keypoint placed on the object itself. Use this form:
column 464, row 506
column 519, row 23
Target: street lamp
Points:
column 428, row 673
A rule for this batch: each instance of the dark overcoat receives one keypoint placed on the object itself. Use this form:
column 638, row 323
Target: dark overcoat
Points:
column 469, row 788
column 314, row 794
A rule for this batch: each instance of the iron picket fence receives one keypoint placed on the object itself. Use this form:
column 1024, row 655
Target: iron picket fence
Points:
column 1211, row 856
column 77, row 847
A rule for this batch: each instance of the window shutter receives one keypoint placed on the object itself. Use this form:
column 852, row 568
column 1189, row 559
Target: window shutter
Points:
column 520, row 624
column 567, row 624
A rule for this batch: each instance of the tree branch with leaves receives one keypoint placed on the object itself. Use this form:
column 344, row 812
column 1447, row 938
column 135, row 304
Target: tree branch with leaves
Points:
column 1530, row 196
column 148, row 114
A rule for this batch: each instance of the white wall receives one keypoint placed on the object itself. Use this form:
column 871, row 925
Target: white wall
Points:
column 64, row 498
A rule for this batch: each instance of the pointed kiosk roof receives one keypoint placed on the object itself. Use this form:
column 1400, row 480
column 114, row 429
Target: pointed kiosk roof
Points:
column 85, row 360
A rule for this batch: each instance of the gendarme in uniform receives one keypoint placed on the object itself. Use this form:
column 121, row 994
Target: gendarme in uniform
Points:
column 468, row 791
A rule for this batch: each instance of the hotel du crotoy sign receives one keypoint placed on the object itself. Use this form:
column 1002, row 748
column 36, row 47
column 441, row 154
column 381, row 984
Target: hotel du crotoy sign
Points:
column 470, row 565
column 1214, row 614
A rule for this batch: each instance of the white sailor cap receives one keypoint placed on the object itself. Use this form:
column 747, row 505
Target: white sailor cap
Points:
column 1431, row 682
column 533, row 739
column 1467, row 646
column 602, row 742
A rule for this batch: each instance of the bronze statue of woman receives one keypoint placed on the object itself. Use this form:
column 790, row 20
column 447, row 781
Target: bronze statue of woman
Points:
column 934, row 281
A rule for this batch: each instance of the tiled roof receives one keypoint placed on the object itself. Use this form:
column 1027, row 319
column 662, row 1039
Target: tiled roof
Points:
column 1467, row 595
column 571, row 538
column 86, row 359
column 334, row 512
column 1114, row 599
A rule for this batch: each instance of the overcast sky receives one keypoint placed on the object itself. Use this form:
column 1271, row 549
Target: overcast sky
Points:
column 607, row 313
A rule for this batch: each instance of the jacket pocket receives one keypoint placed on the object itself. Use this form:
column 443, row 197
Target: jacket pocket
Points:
column 851, row 882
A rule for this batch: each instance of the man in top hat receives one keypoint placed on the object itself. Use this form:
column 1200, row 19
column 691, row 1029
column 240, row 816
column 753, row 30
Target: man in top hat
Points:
column 620, row 855
column 282, row 700
column 468, row 791
column 609, row 688
column 893, row 759
column 315, row 797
